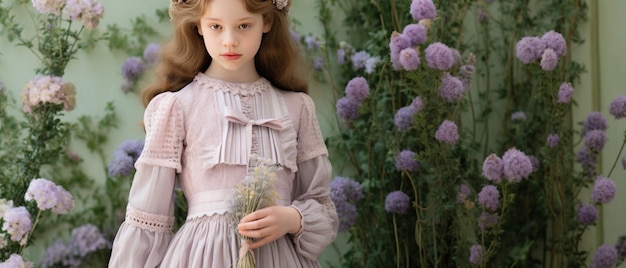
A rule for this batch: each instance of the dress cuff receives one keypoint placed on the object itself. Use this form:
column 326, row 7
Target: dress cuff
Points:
column 150, row 222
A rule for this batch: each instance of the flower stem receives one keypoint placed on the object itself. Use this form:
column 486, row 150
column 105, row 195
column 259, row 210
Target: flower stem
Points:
column 618, row 155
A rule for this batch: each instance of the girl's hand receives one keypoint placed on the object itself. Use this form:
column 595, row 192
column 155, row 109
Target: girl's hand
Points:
column 269, row 224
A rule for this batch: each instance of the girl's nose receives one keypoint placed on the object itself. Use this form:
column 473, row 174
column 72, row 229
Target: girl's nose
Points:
column 230, row 40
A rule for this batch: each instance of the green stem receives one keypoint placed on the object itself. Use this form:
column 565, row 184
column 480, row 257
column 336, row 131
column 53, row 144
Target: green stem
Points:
column 618, row 155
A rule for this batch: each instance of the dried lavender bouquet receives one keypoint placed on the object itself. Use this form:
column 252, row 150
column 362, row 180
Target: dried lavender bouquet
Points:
column 254, row 192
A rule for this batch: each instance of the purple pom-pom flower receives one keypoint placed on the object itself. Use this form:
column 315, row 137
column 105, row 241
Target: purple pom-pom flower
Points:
column 439, row 56
column 617, row 107
column 517, row 165
column 397, row 202
column 603, row 190
column 489, row 197
column 405, row 160
column 493, row 168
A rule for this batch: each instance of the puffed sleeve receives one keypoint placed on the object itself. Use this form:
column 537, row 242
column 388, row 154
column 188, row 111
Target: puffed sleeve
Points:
column 312, row 199
column 144, row 236
column 311, row 190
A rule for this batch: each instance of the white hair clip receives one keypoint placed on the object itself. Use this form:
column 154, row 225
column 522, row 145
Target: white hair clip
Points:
column 280, row 4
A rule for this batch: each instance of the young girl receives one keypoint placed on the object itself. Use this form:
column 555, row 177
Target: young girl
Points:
column 227, row 88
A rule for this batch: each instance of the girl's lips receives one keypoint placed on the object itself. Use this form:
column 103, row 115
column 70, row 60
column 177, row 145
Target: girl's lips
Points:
column 231, row 56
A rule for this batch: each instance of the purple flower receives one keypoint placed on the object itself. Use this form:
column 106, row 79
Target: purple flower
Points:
column 587, row 214
column 621, row 248
column 89, row 12
column 133, row 68
column 487, row 220
column 534, row 161
column 549, row 60
column 555, row 41
column 344, row 191
column 456, row 55
column 409, row 59
column 439, row 56
column 151, row 53
column 397, row 43
column 447, row 132
column 565, row 93
column 605, row 257
column 423, row 9
column 489, row 197
column 341, row 56
column 318, row 63
column 16, row 261
column 476, row 254
column 518, row 116
column 405, row 160
column 595, row 120
column 553, row 140
column 124, row 158
column 417, row 103
column 44, row 192
column 347, row 109
column 359, row 58
column 311, row 42
column 87, row 239
column 595, row 139
column 295, row 36
column 517, row 165
column 463, row 194
column 397, row 202
column 17, row 223
column 493, row 168
column 603, row 190
column 370, row 64
column 49, row 7
column 357, row 89
column 59, row 254
column 529, row 49
column 417, row 33
column 404, row 117
column 451, row 88
column 617, row 107
column 347, row 216
column 587, row 160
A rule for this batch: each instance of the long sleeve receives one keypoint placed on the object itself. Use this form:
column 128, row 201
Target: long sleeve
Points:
column 143, row 237
column 312, row 198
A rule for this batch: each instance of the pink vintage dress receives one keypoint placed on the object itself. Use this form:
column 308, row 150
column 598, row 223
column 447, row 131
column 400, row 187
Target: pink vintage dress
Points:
column 202, row 136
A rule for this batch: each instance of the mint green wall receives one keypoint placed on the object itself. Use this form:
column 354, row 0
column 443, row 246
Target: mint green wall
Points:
column 611, row 76
column 97, row 78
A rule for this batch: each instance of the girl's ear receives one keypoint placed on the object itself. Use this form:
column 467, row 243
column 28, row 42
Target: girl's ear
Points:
column 199, row 30
column 268, row 21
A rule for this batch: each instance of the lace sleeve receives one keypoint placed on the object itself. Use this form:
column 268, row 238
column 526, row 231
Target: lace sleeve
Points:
column 163, row 120
column 310, row 140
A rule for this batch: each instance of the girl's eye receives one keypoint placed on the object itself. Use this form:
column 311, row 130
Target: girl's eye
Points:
column 244, row 26
column 215, row 27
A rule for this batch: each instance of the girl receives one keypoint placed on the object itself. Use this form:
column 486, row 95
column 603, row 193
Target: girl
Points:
column 227, row 88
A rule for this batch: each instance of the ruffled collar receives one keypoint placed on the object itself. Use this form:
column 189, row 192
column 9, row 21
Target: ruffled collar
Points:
column 242, row 89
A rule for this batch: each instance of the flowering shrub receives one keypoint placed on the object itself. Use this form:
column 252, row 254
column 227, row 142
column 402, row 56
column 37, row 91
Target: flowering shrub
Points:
column 444, row 143
column 39, row 146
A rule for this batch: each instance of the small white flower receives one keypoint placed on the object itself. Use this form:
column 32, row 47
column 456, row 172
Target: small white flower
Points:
column 4, row 206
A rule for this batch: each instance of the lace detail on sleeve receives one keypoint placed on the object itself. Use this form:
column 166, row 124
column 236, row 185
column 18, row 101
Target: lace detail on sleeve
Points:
column 164, row 132
column 150, row 222
column 310, row 140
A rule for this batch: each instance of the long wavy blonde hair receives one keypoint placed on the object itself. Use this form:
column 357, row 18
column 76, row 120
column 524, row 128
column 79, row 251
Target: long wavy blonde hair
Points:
column 184, row 55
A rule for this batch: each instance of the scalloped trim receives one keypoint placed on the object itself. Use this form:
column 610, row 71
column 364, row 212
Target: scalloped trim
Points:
column 242, row 89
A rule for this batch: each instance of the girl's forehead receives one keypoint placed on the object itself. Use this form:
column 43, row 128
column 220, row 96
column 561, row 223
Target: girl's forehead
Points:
column 227, row 10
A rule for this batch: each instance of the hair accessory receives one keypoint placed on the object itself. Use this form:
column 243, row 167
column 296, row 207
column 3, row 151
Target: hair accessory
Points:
column 280, row 4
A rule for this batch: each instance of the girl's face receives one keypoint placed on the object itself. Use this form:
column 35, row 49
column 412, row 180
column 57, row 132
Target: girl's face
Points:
column 232, row 37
